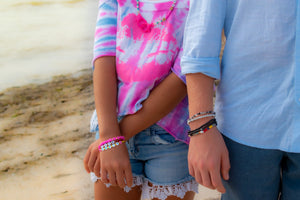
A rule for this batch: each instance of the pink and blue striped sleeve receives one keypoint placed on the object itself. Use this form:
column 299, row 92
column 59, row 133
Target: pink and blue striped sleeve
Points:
column 106, row 29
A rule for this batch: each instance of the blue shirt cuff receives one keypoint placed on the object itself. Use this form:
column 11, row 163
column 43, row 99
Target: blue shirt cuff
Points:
column 207, row 66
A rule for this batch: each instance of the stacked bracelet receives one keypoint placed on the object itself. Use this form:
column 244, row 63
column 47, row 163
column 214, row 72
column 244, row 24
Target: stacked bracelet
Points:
column 201, row 115
column 202, row 129
column 110, row 143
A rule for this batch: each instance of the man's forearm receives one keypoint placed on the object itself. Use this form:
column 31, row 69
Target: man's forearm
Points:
column 200, row 91
column 162, row 100
column 208, row 156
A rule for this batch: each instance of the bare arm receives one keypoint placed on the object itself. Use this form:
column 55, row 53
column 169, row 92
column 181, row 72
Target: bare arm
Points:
column 115, row 163
column 162, row 100
column 208, row 155
column 159, row 103
column 105, row 92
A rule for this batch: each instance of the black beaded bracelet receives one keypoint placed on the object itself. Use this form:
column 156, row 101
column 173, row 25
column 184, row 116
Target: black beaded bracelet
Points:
column 202, row 129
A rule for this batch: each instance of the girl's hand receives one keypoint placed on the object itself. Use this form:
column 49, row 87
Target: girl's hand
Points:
column 92, row 159
column 115, row 166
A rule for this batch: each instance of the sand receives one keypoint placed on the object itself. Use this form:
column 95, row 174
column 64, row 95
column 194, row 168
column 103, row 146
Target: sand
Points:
column 44, row 134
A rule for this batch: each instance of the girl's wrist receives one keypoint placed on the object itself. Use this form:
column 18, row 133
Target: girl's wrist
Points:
column 109, row 129
column 127, row 127
column 105, row 134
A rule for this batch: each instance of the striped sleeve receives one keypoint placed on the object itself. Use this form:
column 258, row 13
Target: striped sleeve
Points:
column 176, row 69
column 106, row 29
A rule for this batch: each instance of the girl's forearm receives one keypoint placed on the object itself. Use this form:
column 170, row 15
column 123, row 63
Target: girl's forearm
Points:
column 105, row 92
column 162, row 100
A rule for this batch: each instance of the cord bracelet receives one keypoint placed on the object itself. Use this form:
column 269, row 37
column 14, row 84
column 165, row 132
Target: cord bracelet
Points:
column 202, row 129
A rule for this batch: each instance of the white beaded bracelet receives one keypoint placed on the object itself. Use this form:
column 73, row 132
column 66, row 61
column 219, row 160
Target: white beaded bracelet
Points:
column 109, row 145
column 200, row 117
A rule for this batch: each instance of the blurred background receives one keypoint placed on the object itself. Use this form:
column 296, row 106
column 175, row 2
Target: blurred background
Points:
column 46, row 98
column 42, row 38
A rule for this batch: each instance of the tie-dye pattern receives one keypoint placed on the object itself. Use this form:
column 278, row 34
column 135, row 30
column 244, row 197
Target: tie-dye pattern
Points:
column 143, row 60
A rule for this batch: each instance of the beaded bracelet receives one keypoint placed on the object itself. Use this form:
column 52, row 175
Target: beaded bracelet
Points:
column 200, row 117
column 110, row 143
column 197, row 116
column 113, row 139
column 203, row 113
column 204, row 126
column 202, row 129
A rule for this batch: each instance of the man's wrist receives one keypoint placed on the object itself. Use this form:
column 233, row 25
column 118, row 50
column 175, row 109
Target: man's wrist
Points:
column 197, row 123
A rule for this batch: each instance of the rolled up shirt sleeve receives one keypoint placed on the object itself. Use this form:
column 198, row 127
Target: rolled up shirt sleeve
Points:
column 203, row 37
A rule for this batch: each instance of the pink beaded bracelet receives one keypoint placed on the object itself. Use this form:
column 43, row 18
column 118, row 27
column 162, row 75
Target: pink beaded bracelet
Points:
column 110, row 143
column 112, row 139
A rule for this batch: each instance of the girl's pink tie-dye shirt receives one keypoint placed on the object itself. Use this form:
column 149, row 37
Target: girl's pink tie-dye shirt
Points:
column 143, row 59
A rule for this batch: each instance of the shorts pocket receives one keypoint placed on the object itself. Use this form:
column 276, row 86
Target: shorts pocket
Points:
column 163, row 137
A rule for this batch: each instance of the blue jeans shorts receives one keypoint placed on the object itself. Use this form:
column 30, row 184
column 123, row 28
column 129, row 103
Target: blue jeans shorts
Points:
column 261, row 174
column 156, row 157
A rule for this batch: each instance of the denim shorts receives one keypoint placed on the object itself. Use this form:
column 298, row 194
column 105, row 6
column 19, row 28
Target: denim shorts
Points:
column 157, row 157
column 261, row 174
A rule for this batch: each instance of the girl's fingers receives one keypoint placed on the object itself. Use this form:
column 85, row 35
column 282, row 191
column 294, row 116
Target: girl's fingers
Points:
column 86, row 160
column 128, row 177
column 92, row 160
column 97, row 167
column 112, row 178
column 120, row 176
column 104, row 178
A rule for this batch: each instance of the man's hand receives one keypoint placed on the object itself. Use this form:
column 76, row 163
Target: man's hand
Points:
column 208, row 158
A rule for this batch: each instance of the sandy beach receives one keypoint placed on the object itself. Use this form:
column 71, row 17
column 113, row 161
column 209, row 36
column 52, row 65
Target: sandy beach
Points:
column 44, row 133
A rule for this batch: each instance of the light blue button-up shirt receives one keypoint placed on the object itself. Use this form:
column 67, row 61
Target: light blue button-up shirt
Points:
column 258, row 98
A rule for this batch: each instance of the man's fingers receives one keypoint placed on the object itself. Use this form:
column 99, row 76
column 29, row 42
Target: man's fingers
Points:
column 216, row 180
column 198, row 177
column 206, row 181
column 191, row 169
column 225, row 166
